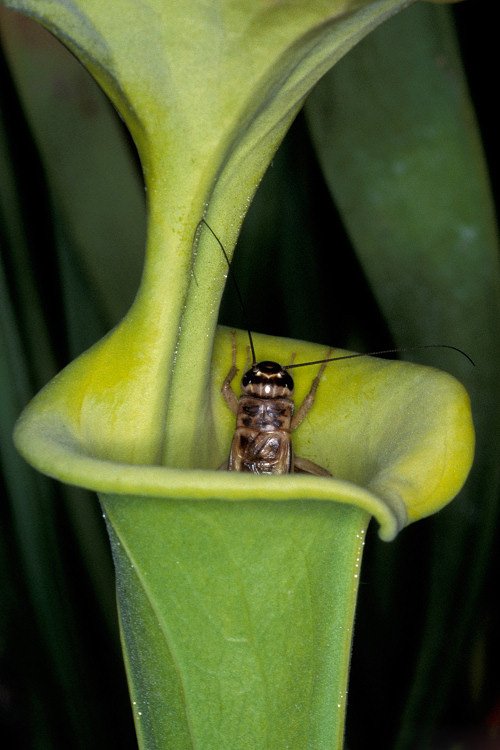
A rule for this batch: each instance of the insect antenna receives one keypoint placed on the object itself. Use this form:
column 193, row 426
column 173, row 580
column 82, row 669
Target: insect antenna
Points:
column 330, row 359
column 235, row 282
column 383, row 351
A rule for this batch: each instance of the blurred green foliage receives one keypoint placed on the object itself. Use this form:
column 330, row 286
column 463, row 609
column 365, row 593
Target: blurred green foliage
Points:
column 327, row 253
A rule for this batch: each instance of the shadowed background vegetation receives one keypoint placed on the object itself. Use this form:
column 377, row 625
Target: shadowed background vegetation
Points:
column 347, row 243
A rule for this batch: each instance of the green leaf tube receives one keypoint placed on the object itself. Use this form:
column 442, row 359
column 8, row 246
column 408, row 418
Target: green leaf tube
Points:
column 236, row 592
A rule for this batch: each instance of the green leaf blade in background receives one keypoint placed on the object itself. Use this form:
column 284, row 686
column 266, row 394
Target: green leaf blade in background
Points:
column 400, row 150
column 43, row 637
column 86, row 158
column 56, row 556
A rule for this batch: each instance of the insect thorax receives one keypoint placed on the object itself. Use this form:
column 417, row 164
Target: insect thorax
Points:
column 264, row 414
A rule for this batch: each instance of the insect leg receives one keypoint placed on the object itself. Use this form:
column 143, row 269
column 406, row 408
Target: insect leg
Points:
column 309, row 399
column 229, row 395
column 304, row 466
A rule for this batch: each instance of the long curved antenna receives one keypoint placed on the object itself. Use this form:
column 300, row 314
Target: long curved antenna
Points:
column 240, row 298
column 384, row 351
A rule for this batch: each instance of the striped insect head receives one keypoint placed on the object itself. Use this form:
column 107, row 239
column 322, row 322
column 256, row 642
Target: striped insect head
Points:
column 267, row 380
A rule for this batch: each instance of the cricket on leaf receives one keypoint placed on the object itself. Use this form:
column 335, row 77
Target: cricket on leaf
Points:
column 265, row 411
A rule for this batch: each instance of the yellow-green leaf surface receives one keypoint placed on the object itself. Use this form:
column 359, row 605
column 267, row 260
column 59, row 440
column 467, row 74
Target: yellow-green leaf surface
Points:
column 208, row 91
column 236, row 592
column 396, row 437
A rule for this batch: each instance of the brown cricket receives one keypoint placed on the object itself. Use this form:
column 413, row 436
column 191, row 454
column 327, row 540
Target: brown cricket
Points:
column 265, row 410
column 265, row 418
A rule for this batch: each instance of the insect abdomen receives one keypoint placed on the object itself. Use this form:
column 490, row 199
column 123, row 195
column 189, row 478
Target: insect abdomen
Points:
column 261, row 442
column 257, row 452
